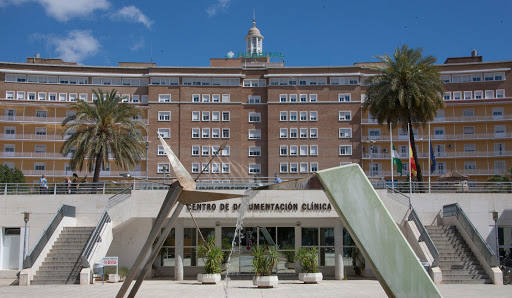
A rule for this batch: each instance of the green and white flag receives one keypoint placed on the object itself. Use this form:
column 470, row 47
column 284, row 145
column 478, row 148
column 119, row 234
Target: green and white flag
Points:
column 397, row 161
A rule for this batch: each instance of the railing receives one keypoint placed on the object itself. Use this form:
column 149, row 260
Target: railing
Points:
column 424, row 138
column 476, row 238
column 455, row 119
column 485, row 172
column 425, row 237
column 104, row 187
column 119, row 197
column 396, row 195
column 64, row 210
column 447, row 187
column 93, row 239
column 462, row 154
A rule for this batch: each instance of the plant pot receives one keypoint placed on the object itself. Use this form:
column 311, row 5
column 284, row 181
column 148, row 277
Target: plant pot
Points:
column 311, row 278
column 208, row 278
column 265, row 281
column 289, row 265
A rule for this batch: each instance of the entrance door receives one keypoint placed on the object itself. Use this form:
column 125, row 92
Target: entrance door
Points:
column 10, row 248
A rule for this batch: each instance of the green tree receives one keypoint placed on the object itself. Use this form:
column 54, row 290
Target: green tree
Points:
column 106, row 125
column 8, row 175
column 405, row 91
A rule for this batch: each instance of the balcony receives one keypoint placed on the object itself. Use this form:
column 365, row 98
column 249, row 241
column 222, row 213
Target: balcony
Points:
column 454, row 119
column 48, row 137
column 34, row 119
column 424, row 138
column 457, row 154
column 473, row 172
column 52, row 173
column 42, row 155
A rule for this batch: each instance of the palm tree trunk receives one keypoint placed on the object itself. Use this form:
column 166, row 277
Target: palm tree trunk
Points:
column 97, row 168
column 419, row 176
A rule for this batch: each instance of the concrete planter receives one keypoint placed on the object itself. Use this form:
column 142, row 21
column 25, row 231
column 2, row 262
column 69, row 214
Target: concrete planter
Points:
column 208, row 278
column 113, row 278
column 289, row 265
column 311, row 278
column 265, row 281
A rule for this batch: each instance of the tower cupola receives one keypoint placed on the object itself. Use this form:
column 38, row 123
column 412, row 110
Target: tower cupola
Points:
column 254, row 39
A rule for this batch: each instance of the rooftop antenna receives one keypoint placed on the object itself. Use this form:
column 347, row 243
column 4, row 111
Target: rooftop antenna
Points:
column 151, row 51
column 253, row 17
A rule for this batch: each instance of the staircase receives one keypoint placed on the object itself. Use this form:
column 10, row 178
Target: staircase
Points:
column 60, row 261
column 456, row 261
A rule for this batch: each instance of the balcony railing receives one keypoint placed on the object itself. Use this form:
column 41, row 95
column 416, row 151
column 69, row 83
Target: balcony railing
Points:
column 51, row 173
column 424, row 138
column 455, row 119
column 22, row 118
column 424, row 155
column 470, row 172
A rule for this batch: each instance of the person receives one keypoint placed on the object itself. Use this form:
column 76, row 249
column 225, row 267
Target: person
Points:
column 67, row 185
column 43, row 185
column 277, row 179
column 74, row 183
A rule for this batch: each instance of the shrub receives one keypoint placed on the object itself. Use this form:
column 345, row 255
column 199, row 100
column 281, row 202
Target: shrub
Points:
column 264, row 261
column 212, row 256
column 308, row 259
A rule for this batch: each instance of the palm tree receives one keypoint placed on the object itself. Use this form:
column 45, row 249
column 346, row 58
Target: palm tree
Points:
column 106, row 126
column 405, row 91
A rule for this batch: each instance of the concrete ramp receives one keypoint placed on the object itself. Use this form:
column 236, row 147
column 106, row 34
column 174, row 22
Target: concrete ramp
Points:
column 374, row 231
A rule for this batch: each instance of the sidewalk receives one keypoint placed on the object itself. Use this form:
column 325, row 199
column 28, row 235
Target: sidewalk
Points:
column 243, row 288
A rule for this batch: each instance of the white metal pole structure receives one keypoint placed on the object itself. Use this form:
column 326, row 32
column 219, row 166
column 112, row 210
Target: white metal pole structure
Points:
column 391, row 155
column 371, row 160
column 409, row 150
column 429, row 161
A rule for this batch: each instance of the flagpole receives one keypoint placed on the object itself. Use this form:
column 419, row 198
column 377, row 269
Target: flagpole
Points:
column 391, row 150
column 429, row 146
column 410, row 165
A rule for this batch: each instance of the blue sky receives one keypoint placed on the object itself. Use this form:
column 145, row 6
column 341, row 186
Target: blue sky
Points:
column 308, row 33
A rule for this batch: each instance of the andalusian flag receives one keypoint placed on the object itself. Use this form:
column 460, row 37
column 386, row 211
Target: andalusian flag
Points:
column 397, row 161
column 413, row 171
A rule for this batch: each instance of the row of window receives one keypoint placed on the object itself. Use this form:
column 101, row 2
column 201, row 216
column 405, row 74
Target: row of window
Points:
column 10, row 114
column 302, row 116
column 54, row 96
column 301, row 132
column 298, row 98
column 206, row 97
column 296, row 150
column 439, row 132
column 205, row 133
column 205, row 150
column 313, row 81
column 478, row 94
column 205, row 116
column 254, row 134
column 295, row 167
column 473, row 77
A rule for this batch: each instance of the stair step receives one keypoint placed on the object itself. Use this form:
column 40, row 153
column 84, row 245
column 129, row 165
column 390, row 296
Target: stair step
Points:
column 466, row 281
column 463, row 271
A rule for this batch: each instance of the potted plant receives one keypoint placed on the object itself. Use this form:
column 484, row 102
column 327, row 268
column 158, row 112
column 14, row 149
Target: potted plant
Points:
column 289, row 254
column 212, row 257
column 264, row 260
column 308, row 260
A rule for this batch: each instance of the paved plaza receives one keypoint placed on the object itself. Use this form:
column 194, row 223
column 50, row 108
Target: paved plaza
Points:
column 243, row 288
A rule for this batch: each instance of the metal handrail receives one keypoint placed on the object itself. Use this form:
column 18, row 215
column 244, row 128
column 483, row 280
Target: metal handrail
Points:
column 64, row 210
column 425, row 237
column 477, row 239
column 399, row 197
column 93, row 239
column 119, row 197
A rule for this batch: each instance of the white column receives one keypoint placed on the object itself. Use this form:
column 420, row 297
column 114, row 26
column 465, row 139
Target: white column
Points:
column 338, row 250
column 298, row 244
column 178, row 255
column 218, row 236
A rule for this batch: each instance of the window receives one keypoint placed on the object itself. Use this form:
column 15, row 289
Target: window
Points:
column 469, row 130
column 225, row 167
column 489, row 94
column 164, row 98
column 497, row 113
column 313, row 150
column 303, row 116
column 500, row 131
column 254, row 134
column 41, row 114
column 165, row 81
column 32, row 96
column 215, row 116
column 195, row 150
column 457, row 95
column 374, row 133
column 468, row 94
column 468, row 113
column 283, row 168
column 225, row 98
column 303, row 133
column 135, row 98
column 439, row 133
column 344, row 115
column 283, row 150
column 215, row 168
column 345, row 149
column 313, row 133
column 205, row 98
column 479, row 94
column 215, row 97
column 226, row 151
column 206, row 116
column 225, row 133
column 255, row 151
column 469, row 165
column 40, row 148
column 313, row 116
column 294, row 150
column 195, row 133
column 161, row 150
column 195, row 97
column 283, row 116
column 20, row 95
column 345, row 133
column 205, row 133
column 293, row 116
column 195, row 116
column 344, row 97
column 9, row 132
column 10, row 114
column 499, row 149
column 344, row 81
column 303, row 97
column 293, row 133
column 303, row 167
column 254, row 99
column 9, row 150
column 9, row 94
column 283, row 98
column 215, row 133
column 312, row 98
column 39, row 166
column 283, row 133
column 254, row 168
column 447, row 95
column 294, row 167
column 40, row 131
column 205, row 151
column 164, row 116
column 226, row 116
column 83, row 96
column 195, row 168
column 313, row 167
column 500, row 93
column 469, row 147
column 62, row 96
column 293, row 97
column 254, row 83
column 303, row 150
column 254, row 117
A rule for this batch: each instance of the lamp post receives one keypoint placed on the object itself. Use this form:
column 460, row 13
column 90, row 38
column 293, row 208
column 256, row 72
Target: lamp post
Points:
column 26, row 217
column 164, row 170
column 495, row 218
column 147, row 148
column 371, row 160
